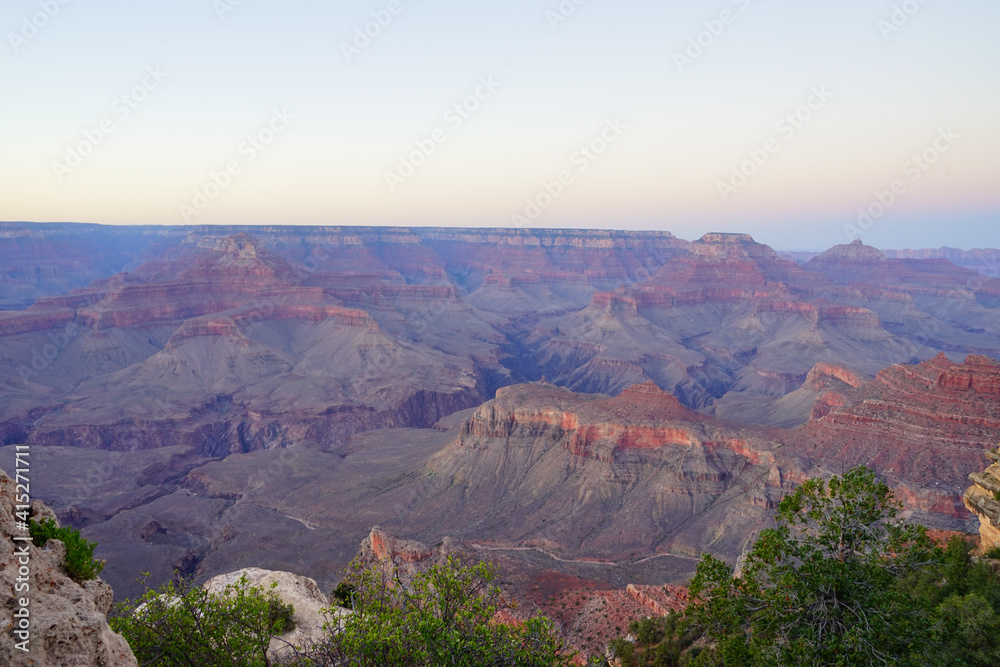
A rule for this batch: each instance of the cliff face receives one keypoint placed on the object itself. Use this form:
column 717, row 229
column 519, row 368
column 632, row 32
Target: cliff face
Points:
column 923, row 425
column 66, row 621
column 602, row 477
column 982, row 500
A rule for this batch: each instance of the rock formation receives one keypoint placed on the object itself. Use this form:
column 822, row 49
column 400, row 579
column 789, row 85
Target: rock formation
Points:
column 312, row 607
column 602, row 477
column 983, row 500
column 67, row 622
column 924, row 426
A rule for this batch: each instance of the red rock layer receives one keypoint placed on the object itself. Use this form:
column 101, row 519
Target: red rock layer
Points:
column 925, row 426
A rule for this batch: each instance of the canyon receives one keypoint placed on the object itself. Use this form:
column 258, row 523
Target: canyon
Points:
column 594, row 409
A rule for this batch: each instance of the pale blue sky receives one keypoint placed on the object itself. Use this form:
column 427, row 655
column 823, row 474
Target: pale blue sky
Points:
column 681, row 131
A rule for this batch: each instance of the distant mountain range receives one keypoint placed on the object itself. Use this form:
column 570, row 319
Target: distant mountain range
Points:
column 982, row 260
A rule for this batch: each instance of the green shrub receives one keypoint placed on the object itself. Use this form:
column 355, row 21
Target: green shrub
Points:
column 281, row 616
column 344, row 595
column 179, row 625
column 446, row 615
column 838, row 581
column 80, row 563
column 663, row 641
column 821, row 587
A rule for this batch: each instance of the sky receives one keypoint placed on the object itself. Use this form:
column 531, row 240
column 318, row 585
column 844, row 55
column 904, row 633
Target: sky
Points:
column 805, row 124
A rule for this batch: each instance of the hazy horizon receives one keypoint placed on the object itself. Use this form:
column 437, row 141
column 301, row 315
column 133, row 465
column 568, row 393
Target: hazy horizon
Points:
column 778, row 247
column 773, row 118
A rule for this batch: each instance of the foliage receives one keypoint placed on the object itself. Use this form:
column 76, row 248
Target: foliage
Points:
column 186, row 625
column 80, row 563
column 964, row 595
column 839, row 582
column 664, row 641
column 447, row 615
column 956, row 573
column 993, row 553
column 344, row 595
column 821, row 588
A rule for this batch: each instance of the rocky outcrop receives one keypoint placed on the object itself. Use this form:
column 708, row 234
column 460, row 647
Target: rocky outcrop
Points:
column 635, row 419
column 65, row 623
column 979, row 374
column 923, row 425
column 855, row 251
column 381, row 547
column 983, row 500
column 312, row 607
column 822, row 374
column 830, row 383
column 660, row 600
column 629, row 473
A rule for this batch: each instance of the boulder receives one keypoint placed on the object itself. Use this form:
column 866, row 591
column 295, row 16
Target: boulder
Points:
column 312, row 606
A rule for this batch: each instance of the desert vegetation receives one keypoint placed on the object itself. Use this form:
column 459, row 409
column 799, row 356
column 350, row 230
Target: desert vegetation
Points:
column 450, row 614
column 182, row 625
column 80, row 562
column 839, row 581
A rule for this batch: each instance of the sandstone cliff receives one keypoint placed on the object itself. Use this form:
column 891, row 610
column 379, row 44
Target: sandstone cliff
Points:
column 603, row 477
column 982, row 500
column 67, row 621
column 924, row 426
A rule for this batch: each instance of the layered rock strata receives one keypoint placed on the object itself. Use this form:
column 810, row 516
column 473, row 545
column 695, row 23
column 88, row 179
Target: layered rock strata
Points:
column 983, row 500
